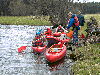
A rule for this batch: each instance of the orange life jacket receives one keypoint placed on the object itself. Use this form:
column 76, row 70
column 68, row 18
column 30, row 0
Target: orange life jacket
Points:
column 38, row 41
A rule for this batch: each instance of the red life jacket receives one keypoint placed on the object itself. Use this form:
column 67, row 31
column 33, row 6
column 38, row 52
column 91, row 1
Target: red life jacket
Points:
column 49, row 32
column 38, row 41
column 60, row 29
column 76, row 21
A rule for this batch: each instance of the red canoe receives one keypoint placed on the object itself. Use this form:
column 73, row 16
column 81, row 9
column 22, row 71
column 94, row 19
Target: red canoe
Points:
column 39, row 49
column 55, row 53
column 54, row 40
column 57, row 34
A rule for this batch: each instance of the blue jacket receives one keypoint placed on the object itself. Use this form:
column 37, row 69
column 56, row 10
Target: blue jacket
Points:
column 72, row 21
column 81, row 19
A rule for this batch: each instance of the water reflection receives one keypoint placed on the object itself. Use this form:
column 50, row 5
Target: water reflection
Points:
column 55, row 66
column 11, row 62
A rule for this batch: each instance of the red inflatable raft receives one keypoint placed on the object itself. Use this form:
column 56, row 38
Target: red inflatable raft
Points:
column 55, row 53
column 54, row 40
column 39, row 49
column 57, row 34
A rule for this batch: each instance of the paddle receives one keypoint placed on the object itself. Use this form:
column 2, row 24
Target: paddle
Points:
column 22, row 48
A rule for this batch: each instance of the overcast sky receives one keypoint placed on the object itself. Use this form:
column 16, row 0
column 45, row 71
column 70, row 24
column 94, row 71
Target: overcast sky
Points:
column 87, row 0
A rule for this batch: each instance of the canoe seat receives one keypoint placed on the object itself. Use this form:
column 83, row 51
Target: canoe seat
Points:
column 55, row 49
column 58, row 32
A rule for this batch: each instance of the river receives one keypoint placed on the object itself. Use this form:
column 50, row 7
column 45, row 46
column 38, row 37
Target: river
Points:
column 28, row 63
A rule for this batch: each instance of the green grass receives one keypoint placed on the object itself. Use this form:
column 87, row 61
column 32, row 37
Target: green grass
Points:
column 89, row 60
column 87, row 18
column 24, row 20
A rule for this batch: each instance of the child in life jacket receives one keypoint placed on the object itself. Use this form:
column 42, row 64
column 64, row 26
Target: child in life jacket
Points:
column 38, row 40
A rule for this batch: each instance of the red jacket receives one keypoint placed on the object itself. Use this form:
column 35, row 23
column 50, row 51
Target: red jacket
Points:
column 49, row 32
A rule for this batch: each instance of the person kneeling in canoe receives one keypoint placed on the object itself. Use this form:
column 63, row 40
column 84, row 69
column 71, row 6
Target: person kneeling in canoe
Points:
column 60, row 29
column 49, row 32
column 38, row 40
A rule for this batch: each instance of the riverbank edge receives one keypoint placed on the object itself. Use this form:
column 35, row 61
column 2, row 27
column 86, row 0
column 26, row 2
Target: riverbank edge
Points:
column 87, row 60
column 34, row 20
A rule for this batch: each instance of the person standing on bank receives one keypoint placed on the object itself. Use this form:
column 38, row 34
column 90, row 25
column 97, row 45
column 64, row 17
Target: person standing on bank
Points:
column 81, row 20
column 75, row 24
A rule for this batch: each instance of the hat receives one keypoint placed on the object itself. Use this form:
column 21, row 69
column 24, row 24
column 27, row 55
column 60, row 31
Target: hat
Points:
column 79, row 12
column 69, row 13
column 40, row 30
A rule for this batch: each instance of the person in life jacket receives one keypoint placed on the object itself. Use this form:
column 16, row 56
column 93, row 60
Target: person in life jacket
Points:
column 42, row 35
column 75, row 24
column 49, row 32
column 37, row 41
column 81, row 20
column 60, row 29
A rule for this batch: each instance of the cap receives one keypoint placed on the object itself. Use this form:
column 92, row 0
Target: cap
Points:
column 37, row 33
column 40, row 30
column 69, row 13
column 79, row 11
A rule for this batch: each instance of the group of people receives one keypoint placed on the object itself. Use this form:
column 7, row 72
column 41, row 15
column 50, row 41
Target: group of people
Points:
column 76, row 22
column 40, row 39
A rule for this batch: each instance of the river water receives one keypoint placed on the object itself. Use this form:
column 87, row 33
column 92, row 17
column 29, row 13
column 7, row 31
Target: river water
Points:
column 28, row 63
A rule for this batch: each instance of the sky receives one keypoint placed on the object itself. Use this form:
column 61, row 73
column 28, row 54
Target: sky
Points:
column 87, row 0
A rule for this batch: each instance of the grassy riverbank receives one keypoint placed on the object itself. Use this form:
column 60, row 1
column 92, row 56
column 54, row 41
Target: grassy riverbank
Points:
column 38, row 20
column 88, row 57
column 88, row 62
column 24, row 20
column 34, row 20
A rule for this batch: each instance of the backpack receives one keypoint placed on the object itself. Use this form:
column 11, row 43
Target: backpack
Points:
column 81, row 19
